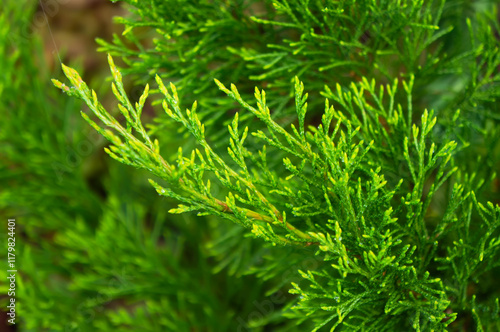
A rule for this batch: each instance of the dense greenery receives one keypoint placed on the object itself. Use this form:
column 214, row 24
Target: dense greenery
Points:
column 334, row 165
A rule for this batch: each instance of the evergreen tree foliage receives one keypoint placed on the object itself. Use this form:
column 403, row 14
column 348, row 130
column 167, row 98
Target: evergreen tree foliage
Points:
column 95, row 247
column 333, row 165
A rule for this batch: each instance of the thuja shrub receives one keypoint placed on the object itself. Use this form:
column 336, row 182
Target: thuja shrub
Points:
column 336, row 161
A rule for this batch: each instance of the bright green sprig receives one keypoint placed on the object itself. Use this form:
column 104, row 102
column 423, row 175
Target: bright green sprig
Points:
column 187, row 176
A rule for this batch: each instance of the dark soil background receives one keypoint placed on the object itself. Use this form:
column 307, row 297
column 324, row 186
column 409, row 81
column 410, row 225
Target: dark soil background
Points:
column 74, row 26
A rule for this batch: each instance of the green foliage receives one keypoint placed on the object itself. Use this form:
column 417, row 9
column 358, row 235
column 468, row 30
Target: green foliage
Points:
column 362, row 169
column 94, row 251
